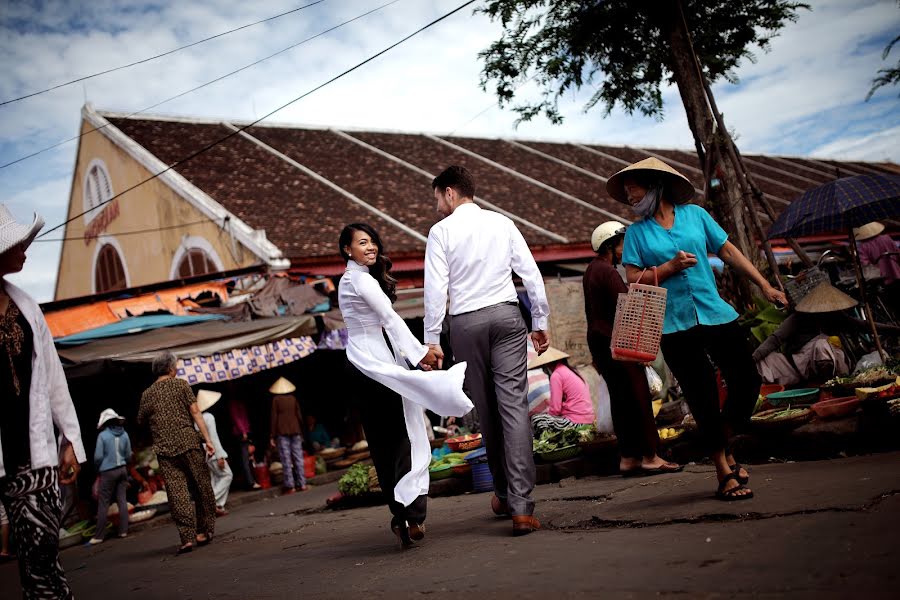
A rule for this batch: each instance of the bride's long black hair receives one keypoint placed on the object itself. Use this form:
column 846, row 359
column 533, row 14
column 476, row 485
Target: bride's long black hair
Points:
column 381, row 270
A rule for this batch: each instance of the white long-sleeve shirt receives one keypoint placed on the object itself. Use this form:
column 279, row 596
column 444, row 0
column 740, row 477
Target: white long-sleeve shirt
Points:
column 49, row 401
column 471, row 256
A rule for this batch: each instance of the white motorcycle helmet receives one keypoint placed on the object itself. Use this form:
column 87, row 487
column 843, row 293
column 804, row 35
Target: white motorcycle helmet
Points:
column 604, row 232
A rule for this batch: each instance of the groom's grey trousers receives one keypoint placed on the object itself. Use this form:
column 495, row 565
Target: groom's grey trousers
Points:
column 492, row 341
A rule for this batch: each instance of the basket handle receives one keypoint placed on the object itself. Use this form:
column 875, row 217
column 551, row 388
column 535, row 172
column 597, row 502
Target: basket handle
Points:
column 655, row 276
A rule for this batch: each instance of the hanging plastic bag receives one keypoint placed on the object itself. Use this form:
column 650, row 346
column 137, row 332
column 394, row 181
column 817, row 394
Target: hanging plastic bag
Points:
column 653, row 381
column 604, row 413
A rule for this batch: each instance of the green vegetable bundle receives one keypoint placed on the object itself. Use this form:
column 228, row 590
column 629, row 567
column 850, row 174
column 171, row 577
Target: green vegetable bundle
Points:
column 355, row 481
column 553, row 440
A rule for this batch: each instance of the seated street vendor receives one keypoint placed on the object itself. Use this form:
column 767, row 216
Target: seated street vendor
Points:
column 318, row 436
column 570, row 399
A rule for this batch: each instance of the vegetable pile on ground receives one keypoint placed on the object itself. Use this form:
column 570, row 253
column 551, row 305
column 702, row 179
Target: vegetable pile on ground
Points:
column 554, row 440
column 448, row 460
column 872, row 377
column 779, row 415
column 358, row 480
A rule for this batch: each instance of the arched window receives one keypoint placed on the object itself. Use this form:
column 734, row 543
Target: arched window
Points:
column 109, row 273
column 97, row 188
column 195, row 256
column 196, row 262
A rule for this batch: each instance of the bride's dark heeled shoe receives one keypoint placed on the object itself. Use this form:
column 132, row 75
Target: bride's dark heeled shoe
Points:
column 402, row 532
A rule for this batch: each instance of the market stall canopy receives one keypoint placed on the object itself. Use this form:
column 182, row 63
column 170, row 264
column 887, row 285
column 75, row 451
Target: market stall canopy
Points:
column 133, row 326
column 840, row 205
column 176, row 301
column 202, row 339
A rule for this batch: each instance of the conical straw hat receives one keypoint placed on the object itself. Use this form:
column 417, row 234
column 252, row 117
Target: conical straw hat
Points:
column 869, row 230
column 825, row 298
column 679, row 187
column 206, row 398
column 550, row 356
column 282, row 386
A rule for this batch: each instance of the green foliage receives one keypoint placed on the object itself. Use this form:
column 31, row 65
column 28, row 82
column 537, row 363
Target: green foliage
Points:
column 355, row 481
column 618, row 48
column 890, row 76
column 553, row 440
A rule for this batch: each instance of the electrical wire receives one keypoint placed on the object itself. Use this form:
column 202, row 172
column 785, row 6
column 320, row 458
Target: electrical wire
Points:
column 123, row 233
column 239, row 130
column 194, row 89
column 146, row 60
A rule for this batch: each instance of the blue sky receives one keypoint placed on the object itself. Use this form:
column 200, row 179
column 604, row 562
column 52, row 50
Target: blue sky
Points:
column 804, row 98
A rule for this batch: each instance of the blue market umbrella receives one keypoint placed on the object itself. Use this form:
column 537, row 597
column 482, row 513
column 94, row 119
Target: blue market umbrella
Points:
column 840, row 205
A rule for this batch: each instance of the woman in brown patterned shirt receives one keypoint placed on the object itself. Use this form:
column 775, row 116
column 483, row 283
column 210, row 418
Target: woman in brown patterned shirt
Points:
column 170, row 409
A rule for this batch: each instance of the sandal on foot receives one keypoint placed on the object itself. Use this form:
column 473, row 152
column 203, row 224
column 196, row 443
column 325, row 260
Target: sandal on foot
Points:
column 206, row 541
column 663, row 468
column 185, row 549
column 736, row 469
column 732, row 494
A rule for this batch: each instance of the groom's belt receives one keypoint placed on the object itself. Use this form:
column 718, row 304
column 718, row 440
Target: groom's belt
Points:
column 506, row 303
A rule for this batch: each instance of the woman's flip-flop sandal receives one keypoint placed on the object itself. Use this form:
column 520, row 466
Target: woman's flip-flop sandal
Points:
column 736, row 469
column 184, row 549
column 733, row 494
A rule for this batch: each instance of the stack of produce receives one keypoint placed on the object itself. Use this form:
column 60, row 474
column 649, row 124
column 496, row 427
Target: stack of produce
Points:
column 358, row 480
column 554, row 440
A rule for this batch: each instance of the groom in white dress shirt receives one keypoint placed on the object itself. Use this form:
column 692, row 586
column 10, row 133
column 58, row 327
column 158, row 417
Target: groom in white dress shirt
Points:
column 470, row 258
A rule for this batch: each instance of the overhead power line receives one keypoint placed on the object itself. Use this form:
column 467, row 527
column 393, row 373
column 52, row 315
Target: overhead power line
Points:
column 239, row 130
column 201, row 86
column 146, row 60
column 123, row 233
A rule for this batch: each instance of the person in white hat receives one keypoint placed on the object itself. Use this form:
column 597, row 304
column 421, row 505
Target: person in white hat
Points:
column 220, row 472
column 35, row 401
column 285, row 434
column 570, row 403
column 111, row 457
column 629, row 393
column 671, row 241
column 879, row 249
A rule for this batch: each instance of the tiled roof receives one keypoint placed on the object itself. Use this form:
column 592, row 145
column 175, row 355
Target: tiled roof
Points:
column 551, row 187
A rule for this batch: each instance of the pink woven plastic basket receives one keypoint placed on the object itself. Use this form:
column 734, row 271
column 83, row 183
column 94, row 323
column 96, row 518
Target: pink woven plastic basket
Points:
column 638, row 327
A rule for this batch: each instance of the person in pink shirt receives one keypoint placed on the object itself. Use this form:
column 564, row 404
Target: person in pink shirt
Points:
column 570, row 398
column 879, row 249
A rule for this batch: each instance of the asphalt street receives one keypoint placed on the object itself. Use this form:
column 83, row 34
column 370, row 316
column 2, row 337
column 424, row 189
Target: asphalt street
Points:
column 815, row 529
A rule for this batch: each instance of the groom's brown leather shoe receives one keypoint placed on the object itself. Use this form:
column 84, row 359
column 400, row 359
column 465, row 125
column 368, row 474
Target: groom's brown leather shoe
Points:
column 524, row 524
column 416, row 531
column 499, row 506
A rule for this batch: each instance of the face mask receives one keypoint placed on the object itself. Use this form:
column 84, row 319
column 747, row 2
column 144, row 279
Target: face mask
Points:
column 647, row 206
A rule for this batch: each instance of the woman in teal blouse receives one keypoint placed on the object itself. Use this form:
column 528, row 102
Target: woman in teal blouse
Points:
column 700, row 327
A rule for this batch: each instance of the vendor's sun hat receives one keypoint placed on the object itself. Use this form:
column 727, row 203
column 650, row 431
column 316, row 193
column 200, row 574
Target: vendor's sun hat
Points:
column 206, row 398
column 825, row 298
column 107, row 416
column 282, row 386
column 550, row 356
column 678, row 187
column 604, row 232
column 13, row 233
column 869, row 230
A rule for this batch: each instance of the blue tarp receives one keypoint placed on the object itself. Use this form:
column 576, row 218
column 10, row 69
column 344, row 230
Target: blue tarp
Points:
column 134, row 325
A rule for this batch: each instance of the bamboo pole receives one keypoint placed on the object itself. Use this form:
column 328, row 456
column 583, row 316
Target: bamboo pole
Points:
column 860, row 280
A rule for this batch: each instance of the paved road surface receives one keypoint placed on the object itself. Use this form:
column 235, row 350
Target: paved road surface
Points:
column 815, row 529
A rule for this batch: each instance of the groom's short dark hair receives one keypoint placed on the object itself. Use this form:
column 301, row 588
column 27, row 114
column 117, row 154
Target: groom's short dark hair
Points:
column 458, row 178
